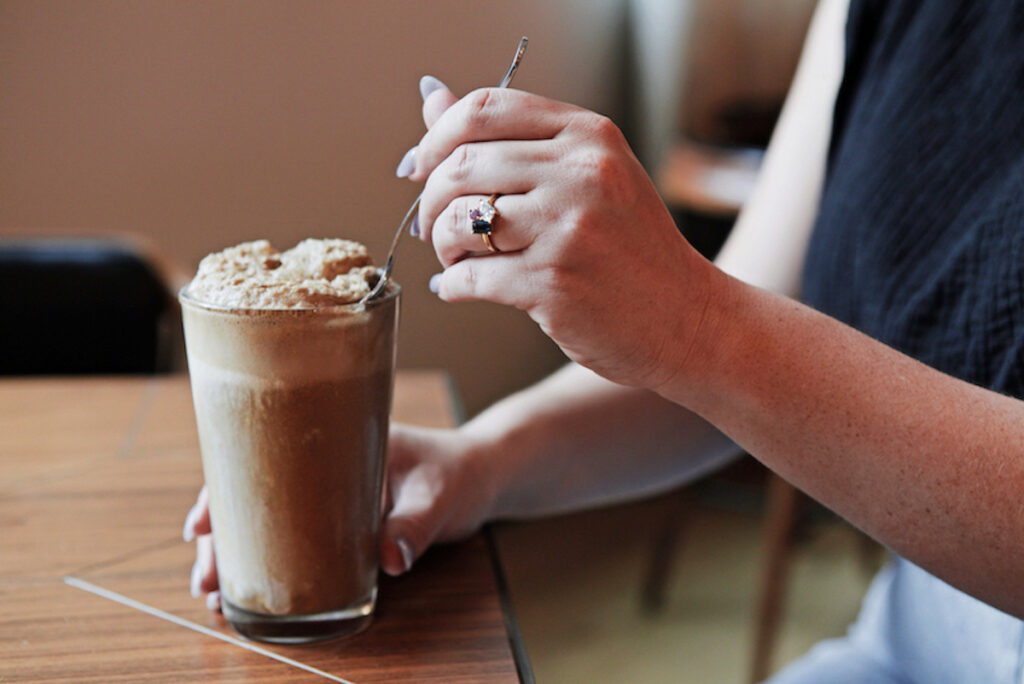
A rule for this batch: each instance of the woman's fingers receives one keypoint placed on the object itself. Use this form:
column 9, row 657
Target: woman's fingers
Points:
column 506, row 167
column 437, row 98
column 489, row 114
column 434, row 494
column 513, row 230
column 497, row 278
column 413, row 484
column 408, row 531
column 197, row 521
column 204, row 571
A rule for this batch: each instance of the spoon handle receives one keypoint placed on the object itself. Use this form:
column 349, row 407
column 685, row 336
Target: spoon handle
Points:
column 385, row 272
column 514, row 66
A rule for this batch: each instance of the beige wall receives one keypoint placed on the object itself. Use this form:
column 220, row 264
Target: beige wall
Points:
column 201, row 124
column 197, row 124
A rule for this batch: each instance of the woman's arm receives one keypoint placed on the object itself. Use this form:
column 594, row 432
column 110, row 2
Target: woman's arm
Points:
column 931, row 466
column 767, row 245
column 576, row 439
column 570, row 441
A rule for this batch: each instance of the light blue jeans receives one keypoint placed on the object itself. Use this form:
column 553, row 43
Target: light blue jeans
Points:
column 915, row 629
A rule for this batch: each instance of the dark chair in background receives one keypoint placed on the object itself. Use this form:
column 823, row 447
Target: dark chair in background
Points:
column 84, row 306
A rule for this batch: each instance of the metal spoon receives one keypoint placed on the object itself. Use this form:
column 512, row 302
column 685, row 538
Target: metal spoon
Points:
column 384, row 274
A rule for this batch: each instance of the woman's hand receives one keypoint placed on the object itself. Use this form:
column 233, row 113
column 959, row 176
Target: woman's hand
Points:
column 204, row 571
column 436, row 490
column 588, row 249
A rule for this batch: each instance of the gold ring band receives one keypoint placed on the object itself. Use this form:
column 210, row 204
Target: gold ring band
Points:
column 487, row 241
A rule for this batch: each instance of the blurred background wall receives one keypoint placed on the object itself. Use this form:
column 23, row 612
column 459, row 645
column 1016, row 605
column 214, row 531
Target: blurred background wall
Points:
column 196, row 125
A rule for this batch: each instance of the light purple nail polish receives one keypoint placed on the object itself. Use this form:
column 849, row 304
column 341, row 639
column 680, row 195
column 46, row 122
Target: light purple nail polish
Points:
column 435, row 283
column 429, row 84
column 414, row 227
column 407, row 165
column 406, row 550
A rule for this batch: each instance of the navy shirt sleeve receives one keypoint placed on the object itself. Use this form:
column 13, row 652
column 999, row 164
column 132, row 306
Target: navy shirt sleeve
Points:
column 919, row 240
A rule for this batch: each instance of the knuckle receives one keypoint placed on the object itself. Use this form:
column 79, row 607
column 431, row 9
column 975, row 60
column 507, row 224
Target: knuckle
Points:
column 602, row 161
column 475, row 285
column 471, row 279
column 427, row 217
column 593, row 126
column 561, row 277
column 606, row 174
column 479, row 106
column 461, row 163
column 577, row 243
column 445, row 238
column 606, row 129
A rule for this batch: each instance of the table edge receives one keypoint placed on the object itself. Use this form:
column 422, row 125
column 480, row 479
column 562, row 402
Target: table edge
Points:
column 515, row 636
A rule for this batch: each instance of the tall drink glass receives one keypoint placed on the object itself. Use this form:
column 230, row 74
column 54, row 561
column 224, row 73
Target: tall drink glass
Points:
column 292, row 407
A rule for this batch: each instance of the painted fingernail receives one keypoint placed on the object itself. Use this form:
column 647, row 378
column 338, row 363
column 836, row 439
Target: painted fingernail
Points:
column 213, row 600
column 197, row 576
column 407, row 165
column 406, row 551
column 429, row 84
column 435, row 283
column 188, row 533
column 414, row 227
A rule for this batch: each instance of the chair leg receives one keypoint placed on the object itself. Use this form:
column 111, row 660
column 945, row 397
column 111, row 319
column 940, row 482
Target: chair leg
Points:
column 652, row 597
column 780, row 518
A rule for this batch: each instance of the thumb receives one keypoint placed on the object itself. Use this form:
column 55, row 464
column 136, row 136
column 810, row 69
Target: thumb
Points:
column 397, row 553
column 412, row 525
column 413, row 486
column 432, row 499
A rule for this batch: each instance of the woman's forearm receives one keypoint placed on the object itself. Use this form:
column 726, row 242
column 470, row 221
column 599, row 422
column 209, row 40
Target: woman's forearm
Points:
column 576, row 439
column 930, row 465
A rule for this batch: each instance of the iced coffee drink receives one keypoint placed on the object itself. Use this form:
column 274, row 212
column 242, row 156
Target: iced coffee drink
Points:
column 291, row 381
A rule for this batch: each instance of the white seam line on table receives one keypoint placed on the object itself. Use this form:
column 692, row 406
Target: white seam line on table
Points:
column 163, row 615
column 146, row 401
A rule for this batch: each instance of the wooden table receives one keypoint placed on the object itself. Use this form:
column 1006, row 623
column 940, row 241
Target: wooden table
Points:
column 96, row 476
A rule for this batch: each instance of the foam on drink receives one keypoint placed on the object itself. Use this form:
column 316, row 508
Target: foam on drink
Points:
column 313, row 273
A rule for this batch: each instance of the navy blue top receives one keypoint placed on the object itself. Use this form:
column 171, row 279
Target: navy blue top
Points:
column 920, row 237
